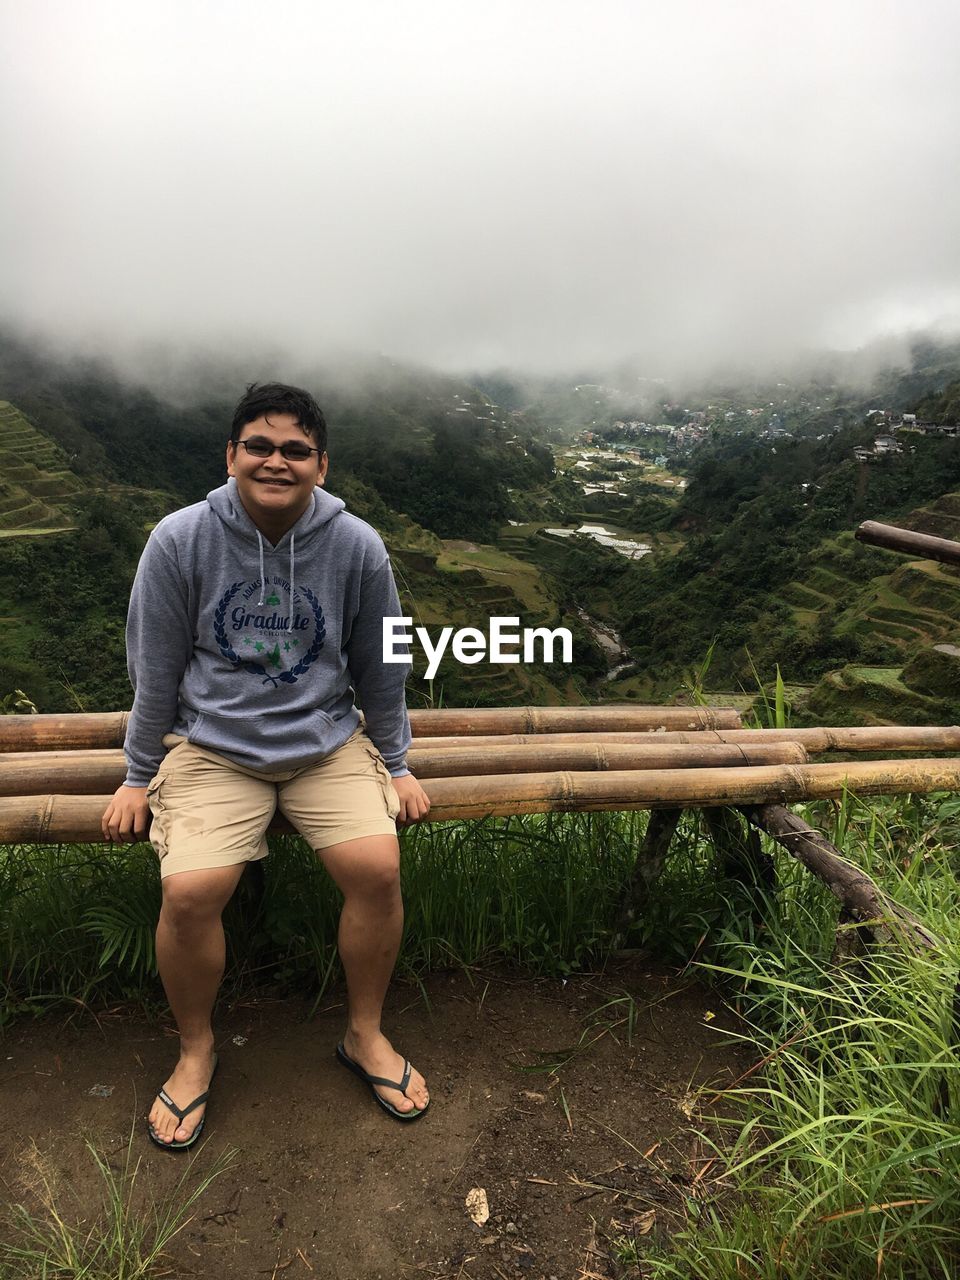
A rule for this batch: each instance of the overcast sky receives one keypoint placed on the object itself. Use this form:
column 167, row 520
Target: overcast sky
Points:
column 472, row 183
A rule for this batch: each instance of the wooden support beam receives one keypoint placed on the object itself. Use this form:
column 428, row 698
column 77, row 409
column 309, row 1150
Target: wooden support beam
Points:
column 739, row 848
column 860, row 897
column 650, row 859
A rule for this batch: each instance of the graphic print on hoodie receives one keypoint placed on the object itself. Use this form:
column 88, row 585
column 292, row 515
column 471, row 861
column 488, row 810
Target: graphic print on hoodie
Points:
column 256, row 651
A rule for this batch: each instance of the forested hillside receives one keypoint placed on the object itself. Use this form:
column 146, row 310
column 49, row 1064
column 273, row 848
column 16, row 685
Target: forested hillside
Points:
column 91, row 461
column 748, row 517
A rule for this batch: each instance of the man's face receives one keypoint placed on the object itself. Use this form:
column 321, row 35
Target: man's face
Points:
column 275, row 490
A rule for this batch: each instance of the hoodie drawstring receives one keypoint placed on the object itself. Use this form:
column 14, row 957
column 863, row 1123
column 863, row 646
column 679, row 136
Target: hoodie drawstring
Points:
column 263, row 572
column 263, row 579
column 290, row 610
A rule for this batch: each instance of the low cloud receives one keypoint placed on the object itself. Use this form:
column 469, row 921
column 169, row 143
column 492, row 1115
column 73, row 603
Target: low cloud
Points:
column 545, row 186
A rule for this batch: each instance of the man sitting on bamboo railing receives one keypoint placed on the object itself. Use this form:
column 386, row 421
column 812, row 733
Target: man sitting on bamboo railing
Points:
column 254, row 616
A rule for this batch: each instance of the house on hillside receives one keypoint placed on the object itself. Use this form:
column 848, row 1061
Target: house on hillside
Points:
column 882, row 447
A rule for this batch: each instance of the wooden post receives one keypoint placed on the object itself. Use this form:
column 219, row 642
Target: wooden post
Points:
column 862, row 899
column 646, row 871
column 742, row 856
column 851, row 939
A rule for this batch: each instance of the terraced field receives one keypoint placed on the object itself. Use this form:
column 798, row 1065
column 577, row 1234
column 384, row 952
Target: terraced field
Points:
column 463, row 586
column 911, row 608
column 36, row 483
column 872, row 695
column 915, row 603
column 38, row 491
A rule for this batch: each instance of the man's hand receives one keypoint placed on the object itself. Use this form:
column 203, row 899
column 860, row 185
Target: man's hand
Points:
column 127, row 816
column 414, row 801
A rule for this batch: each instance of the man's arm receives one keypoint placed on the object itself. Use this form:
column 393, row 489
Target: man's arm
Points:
column 159, row 644
column 380, row 688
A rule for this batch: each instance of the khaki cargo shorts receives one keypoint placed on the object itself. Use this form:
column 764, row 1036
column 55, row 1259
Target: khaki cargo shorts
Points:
column 209, row 812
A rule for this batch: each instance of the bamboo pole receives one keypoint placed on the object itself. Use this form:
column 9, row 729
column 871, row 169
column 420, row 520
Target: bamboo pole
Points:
column 922, row 545
column 434, row 723
column 66, row 732
column 816, row 741
column 862, row 899
column 53, row 818
column 106, row 730
column 64, row 772
column 497, row 796
column 95, row 772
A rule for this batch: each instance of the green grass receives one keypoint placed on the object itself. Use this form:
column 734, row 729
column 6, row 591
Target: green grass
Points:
column 76, row 922
column 52, row 1233
column 842, row 1146
column 836, row 1157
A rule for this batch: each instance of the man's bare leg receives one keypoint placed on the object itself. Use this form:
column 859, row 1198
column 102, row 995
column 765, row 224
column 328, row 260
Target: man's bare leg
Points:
column 367, row 871
column 190, row 956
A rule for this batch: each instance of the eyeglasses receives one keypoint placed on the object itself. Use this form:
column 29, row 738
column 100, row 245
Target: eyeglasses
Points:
column 291, row 450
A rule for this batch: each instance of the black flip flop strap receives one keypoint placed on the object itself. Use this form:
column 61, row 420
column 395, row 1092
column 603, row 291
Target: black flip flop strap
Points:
column 392, row 1084
column 180, row 1113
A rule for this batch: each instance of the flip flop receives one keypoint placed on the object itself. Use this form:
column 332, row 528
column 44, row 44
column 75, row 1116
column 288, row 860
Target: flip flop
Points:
column 344, row 1058
column 180, row 1113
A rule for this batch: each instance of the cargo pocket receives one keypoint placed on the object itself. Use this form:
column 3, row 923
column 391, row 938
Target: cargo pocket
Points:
column 158, row 827
column 386, row 781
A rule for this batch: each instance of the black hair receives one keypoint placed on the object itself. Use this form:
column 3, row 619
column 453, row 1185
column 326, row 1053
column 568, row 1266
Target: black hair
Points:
column 265, row 398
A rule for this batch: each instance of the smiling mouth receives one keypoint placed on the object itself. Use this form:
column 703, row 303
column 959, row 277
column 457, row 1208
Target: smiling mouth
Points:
column 283, row 484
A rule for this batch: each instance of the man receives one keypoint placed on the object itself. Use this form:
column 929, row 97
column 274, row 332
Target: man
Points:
column 254, row 617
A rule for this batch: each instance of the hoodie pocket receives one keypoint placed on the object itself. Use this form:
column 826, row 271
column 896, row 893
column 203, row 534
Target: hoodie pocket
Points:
column 270, row 741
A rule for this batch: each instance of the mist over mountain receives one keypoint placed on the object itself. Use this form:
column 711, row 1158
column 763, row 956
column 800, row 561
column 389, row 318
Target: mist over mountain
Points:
column 551, row 188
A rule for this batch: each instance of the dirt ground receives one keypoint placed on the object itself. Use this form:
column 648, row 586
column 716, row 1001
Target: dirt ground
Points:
column 573, row 1162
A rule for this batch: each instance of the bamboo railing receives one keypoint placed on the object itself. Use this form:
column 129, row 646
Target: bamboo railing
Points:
column 98, row 732
column 815, row 741
column 56, row 817
column 57, row 774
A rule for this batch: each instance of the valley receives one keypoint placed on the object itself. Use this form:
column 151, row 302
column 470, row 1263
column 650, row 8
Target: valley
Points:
column 692, row 552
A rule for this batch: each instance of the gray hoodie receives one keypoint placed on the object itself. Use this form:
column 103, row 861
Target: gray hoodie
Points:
column 255, row 651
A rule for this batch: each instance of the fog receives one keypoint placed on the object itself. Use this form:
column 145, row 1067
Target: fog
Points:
column 551, row 185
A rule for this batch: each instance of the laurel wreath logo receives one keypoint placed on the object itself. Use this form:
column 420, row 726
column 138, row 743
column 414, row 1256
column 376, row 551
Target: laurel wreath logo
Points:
column 257, row 668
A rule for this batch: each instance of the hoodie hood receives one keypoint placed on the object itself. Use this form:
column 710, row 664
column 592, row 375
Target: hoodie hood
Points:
column 225, row 501
column 227, row 504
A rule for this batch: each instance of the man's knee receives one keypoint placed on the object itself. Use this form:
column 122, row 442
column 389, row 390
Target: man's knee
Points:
column 367, row 867
column 194, row 898
column 380, row 877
